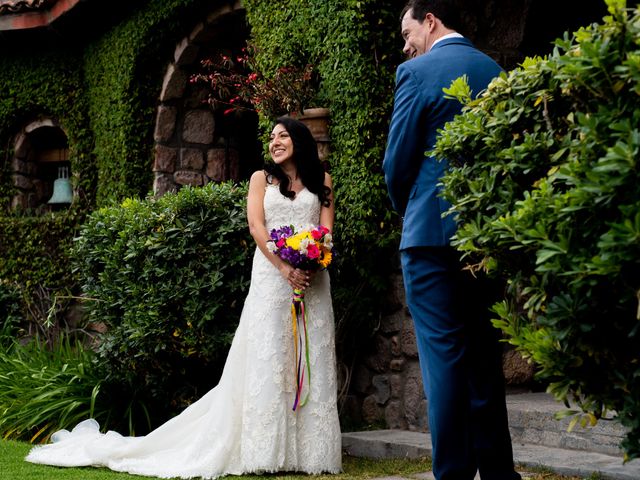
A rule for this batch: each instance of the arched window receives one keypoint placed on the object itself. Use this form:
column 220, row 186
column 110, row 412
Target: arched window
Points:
column 41, row 156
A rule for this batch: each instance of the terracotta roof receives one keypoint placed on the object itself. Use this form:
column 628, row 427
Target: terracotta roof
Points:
column 20, row 6
column 27, row 14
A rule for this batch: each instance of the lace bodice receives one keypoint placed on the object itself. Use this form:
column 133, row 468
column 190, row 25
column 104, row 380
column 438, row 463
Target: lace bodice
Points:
column 303, row 211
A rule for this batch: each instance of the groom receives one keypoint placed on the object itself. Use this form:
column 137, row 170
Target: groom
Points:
column 460, row 357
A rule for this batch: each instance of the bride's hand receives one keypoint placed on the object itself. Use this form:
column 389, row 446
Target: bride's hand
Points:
column 311, row 274
column 298, row 279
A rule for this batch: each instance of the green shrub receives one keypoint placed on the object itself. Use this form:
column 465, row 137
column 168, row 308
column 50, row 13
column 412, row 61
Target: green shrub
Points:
column 550, row 199
column 9, row 312
column 35, row 263
column 168, row 278
column 46, row 389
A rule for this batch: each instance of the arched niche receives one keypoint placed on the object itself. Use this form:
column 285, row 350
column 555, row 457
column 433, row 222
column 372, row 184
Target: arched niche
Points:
column 41, row 149
column 194, row 144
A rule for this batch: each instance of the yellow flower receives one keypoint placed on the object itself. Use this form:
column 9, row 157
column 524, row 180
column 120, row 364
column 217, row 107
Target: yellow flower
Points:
column 326, row 258
column 294, row 242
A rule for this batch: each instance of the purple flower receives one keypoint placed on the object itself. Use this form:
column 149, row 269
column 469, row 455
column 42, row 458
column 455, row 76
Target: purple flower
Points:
column 282, row 232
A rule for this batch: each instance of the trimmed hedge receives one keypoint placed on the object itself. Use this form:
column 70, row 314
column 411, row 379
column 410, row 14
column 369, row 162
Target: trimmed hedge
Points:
column 167, row 278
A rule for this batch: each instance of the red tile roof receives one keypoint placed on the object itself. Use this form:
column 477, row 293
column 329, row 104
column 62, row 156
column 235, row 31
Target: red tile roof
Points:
column 20, row 6
column 27, row 14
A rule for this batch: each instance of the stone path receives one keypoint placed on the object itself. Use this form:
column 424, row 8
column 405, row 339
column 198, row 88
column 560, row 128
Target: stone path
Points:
column 538, row 440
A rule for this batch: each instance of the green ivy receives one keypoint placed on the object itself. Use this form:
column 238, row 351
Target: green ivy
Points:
column 35, row 249
column 10, row 317
column 103, row 98
column 547, row 191
column 38, row 263
column 123, row 78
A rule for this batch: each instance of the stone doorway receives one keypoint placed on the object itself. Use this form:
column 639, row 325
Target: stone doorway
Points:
column 195, row 145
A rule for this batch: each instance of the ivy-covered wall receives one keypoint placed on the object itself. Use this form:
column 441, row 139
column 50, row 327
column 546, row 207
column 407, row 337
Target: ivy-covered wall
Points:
column 104, row 97
column 124, row 70
column 34, row 250
column 102, row 94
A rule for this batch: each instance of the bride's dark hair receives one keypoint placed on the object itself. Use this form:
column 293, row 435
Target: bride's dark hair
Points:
column 305, row 157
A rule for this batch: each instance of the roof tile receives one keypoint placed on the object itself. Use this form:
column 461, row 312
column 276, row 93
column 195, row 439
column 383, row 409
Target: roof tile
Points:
column 19, row 6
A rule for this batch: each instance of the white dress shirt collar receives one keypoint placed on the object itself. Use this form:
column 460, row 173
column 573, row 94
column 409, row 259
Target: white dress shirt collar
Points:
column 444, row 37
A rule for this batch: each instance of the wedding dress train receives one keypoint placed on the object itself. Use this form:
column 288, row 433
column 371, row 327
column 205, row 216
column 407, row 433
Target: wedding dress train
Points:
column 246, row 423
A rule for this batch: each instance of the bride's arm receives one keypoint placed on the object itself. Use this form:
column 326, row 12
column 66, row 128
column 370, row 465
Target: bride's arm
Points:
column 327, row 213
column 258, row 229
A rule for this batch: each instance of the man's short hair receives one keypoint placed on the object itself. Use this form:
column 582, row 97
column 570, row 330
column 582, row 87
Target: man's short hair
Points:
column 447, row 11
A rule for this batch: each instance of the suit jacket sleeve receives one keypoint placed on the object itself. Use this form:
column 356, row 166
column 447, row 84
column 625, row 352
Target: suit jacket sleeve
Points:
column 405, row 149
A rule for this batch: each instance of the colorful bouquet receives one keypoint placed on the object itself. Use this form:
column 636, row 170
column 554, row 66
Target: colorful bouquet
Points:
column 306, row 250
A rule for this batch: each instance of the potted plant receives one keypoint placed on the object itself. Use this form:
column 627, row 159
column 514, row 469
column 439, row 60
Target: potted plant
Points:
column 236, row 85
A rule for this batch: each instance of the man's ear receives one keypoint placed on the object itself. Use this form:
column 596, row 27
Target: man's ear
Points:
column 430, row 20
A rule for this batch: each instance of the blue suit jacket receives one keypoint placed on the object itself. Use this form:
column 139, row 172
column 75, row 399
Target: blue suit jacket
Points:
column 419, row 110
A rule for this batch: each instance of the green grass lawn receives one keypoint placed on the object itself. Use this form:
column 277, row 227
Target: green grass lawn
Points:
column 13, row 467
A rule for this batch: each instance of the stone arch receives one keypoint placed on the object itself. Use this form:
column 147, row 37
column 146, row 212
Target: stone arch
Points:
column 195, row 145
column 40, row 148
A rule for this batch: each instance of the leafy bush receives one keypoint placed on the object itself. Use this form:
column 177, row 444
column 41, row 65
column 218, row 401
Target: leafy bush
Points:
column 43, row 390
column 35, row 266
column 9, row 312
column 168, row 278
column 550, row 199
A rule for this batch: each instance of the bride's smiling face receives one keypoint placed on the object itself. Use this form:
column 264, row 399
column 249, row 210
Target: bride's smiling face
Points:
column 280, row 145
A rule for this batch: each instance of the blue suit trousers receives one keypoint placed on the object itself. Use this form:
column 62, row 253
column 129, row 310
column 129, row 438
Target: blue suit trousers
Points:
column 461, row 364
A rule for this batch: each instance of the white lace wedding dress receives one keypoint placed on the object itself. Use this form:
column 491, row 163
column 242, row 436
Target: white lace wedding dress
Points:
column 246, row 423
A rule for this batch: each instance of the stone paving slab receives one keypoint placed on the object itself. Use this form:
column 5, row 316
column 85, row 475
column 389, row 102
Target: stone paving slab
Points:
column 430, row 476
column 405, row 444
column 575, row 462
column 387, row 444
column 532, row 421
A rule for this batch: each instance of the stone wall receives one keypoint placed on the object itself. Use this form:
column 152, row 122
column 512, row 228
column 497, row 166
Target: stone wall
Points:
column 195, row 144
column 386, row 386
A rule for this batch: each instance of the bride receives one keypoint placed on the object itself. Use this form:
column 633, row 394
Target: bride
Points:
column 246, row 424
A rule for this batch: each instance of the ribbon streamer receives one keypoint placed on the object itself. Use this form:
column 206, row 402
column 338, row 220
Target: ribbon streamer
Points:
column 301, row 347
